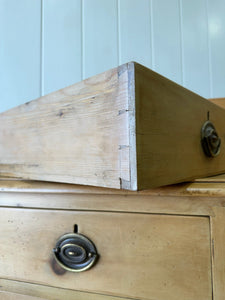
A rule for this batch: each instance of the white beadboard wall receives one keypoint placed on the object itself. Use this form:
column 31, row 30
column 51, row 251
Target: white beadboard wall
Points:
column 46, row 45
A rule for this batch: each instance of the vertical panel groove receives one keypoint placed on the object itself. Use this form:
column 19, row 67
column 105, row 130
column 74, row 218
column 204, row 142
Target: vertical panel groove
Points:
column 195, row 46
column 216, row 21
column 152, row 34
column 67, row 41
column 42, row 51
column 118, row 33
column 20, row 47
column 181, row 42
column 166, row 36
column 82, row 41
column 209, row 51
column 62, row 47
column 135, row 35
column 100, row 36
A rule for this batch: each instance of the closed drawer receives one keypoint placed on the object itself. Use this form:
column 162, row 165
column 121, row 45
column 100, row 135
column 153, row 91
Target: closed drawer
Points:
column 13, row 296
column 144, row 256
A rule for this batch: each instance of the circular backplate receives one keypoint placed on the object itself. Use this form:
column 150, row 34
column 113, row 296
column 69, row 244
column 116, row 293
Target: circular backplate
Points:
column 75, row 252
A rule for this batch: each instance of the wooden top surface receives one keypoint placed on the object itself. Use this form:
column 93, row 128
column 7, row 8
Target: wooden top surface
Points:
column 210, row 186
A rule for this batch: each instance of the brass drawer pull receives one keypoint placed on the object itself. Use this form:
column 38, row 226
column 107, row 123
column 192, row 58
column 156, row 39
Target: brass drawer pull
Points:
column 75, row 252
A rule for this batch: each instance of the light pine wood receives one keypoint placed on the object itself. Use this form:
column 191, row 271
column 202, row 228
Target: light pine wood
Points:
column 141, row 256
column 78, row 135
column 49, row 293
column 218, row 101
column 183, row 205
column 184, row 199
column 217, row 178
column 177, row 205
column 12, row 296
column 203, row 197
column 218, row 253
column 127, row 128
column 29, row 186
column 207, row 189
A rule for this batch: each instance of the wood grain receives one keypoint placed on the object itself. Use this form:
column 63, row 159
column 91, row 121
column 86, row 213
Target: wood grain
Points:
column 127, row 128
column 184, row 199
column 12, row 296
column 218, row 254
column 169, row 119
column 29, row 186
column 169, row 259
column 217, row 178
column 46, row 292
column 218, row 101
column 175, row 205
column 76, row 135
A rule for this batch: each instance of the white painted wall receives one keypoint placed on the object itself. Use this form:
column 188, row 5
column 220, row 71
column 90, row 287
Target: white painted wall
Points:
column 46, row 45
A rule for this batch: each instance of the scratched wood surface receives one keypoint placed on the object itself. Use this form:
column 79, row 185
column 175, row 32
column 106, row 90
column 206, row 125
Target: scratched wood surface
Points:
column 26, row 291
column 127, row 128
column 170, row 258
column 169, row 119
column 13, row 296
column 184, row 199
column 78, row 134
column 169, row 205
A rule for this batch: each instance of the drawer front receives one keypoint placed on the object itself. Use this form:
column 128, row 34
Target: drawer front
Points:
column 145, row 256
column 24, row 290
column 13, row 296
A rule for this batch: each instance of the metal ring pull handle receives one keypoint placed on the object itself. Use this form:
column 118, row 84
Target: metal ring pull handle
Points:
column 211, row 142
column 75, row 252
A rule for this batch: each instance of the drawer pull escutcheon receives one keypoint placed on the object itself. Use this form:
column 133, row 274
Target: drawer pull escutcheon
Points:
column 75, row 252
column 211, row 142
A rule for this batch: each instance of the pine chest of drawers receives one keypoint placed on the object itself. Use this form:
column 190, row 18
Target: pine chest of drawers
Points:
column 161, row 244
